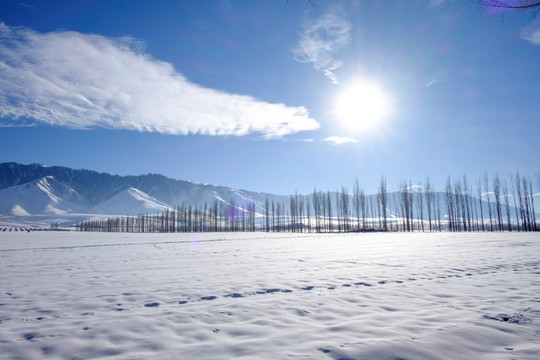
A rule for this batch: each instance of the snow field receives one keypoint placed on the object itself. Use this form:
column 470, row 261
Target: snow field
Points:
column 71, row 295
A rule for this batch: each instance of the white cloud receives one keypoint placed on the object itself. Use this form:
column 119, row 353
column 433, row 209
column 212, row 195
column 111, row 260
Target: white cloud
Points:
column 532, row 32
column 77, row 80
column 319, row 42
column 336, row 140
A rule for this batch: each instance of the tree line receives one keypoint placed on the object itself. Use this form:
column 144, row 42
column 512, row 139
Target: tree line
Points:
column 485, row 205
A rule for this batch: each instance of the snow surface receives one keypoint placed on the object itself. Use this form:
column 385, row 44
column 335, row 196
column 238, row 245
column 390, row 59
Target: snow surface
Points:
column 67, row 295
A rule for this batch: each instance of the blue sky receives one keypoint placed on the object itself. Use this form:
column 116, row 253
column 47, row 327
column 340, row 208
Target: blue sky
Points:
column 267, row 97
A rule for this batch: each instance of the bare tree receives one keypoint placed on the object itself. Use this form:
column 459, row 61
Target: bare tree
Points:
column 329, row 209
column 510, row 5
column 324, row 211
column 526, row 198
column 420, row 206
column 514, row 195
column 479, row 189
column 428, row 193
column 317, row 209
column 506, row 195
column 300, row 205
column 406, row 205
column 273, row 216
column 533, row 214
column 308, row 213
column 459, row 207
column 356, row 202
column 438, row 210
column 339, row 212
column 517, row 183
column 468, row 207
column 372, row 213
column 497, row 195
column 383, row 197
column 266, row 214
column 345, row 209
column 486, row 187
column 363, row 207
column 293, row 205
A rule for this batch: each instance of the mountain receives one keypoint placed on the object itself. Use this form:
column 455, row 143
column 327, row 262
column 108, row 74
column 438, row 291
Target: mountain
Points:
column 130, row 201
column 41, row 196
column 40, row 190
column 98, row 187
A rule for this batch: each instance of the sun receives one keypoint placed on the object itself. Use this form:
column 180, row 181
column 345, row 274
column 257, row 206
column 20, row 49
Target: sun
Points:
column 362, row 106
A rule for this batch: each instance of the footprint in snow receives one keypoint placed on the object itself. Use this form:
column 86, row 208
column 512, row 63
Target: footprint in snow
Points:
column 234, row 295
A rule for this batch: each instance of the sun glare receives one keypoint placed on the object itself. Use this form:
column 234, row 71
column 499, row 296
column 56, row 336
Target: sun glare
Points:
column 362, row 107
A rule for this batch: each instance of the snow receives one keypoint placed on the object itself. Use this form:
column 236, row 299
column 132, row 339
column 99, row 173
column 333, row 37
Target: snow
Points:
column 130, row 201
column 42, row 196
column 68, row 295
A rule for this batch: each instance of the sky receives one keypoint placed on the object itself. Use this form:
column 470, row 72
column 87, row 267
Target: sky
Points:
column 271, row 95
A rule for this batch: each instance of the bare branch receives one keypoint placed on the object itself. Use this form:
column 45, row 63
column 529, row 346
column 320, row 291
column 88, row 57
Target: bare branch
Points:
column 520, row 5
column 311, row 2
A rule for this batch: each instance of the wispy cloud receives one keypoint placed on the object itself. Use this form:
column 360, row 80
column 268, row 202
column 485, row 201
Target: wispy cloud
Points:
column 337, row 140
column 436, row 3
column 28, row 6
column 320, row 40
column 532, row 32
column 77, row 80
column 435, row 81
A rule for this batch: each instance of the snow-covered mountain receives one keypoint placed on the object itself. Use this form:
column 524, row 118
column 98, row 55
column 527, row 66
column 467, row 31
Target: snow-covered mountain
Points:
column 130, row 201
column 98, row 187
column 41, row 196
column 30, row 190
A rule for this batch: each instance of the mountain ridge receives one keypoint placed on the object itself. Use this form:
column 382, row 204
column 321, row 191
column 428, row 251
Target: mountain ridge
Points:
column 97, row 193
column 97, row 187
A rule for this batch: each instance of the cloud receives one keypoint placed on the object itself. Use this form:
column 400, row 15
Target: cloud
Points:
column 319, row 42
column 337, row 140
column 435, row 81
column 436, row 3
column 82, row 81
column 532, row 32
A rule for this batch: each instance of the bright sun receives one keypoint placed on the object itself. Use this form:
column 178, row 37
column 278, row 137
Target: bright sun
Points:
column 362, row 107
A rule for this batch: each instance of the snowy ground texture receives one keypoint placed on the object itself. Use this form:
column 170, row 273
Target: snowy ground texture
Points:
column 70, row 295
